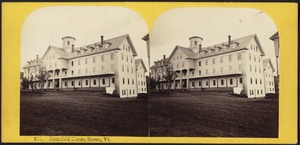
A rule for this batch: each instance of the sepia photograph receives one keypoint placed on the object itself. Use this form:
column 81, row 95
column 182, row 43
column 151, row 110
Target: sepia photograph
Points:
column 83, row 72
column 214, row 73
column 149, row 72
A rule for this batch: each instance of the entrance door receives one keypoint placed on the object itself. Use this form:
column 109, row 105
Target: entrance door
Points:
column 184, row 84
column 56, row 84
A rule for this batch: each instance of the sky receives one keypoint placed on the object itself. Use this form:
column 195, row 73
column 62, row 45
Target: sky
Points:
column 174, row 27
column 48, row 25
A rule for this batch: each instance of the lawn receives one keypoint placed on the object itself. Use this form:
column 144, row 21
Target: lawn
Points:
column 212, row 114
column 82, row 113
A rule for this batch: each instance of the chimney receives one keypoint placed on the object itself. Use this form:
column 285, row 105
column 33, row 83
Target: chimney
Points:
column 101, row 39
column 72, row 48
column 200, row 48
column 164, row 57
column 229, row 40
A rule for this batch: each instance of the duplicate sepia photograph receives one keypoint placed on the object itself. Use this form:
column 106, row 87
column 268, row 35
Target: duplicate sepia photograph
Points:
column 77, row 63
column 214, row 73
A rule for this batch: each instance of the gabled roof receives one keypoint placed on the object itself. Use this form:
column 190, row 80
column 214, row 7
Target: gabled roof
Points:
column 138, row 61
column 187, row 51
column 274, row 36
column 242, row 43
column 146, row 37
column 60, row 51
column 39, row 62
column 266, row 62
column 161, row 64
column 115, row 44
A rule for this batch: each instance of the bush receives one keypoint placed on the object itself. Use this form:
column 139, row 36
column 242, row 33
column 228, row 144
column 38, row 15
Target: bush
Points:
column 272, row 96
column 143, row 96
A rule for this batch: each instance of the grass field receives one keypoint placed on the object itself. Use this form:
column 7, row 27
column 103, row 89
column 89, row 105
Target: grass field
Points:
column 212, row 114
column 203, row 114
column 86, row 113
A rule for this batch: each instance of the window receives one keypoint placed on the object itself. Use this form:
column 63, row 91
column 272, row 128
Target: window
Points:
column 239, row 56
column 261, row 91
column 122, row 68
column 206, row 71
column 199, row 72
column 72, row 83
column 72, row 63
column 68, row 42
column 103, row 81
column 132, row 81
column 222, row 82
column 214, row 82
column 112, row 80
column 255, row 81
column 199, row 63
column 129, row 92
column 128, row 81
column 260, row 81
column 221, row 59
column 112, row 56
column 95, row 82
column 123, row 81
column 112, row 67
column 258, row 92
column 200, row 83
column 102, row 57
column 249, row 56
column 230, row 57
column 131, row 69
column 214, row 71
column 213, row 60
column 86, row 82
column 255, row 68
column 78, row 61
column 206, row 62
column 78, row 83
column 206, row 83
column 182, row 64
column 94, row 59
column 72, row 72
column 128, row 69
column 241, row 80
column 195, row 42
column 86, row 60
column 231, row 81
column 193, row 84
column 250, row 68
column 251, row 80
column 122, row 56
column 65, row 83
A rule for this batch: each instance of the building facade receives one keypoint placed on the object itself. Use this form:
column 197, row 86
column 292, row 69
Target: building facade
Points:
column 235, row 65
column 269, row 76
column 105, row 65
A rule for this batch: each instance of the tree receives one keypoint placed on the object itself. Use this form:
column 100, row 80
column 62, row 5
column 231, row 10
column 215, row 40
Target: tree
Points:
column 158, row 81
column 169, row 75
column 25, row 83
column 42, row 76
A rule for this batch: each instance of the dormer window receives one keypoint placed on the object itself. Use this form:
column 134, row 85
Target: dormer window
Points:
column 195, row 42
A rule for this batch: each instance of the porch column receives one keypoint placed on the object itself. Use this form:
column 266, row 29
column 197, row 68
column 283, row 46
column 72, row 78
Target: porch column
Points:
column 187, row 79
column 53, row 79
column 180, row 80
column 60, row 81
